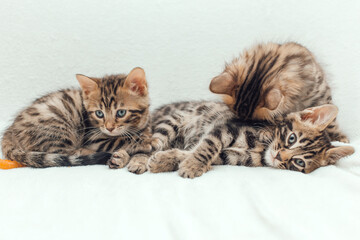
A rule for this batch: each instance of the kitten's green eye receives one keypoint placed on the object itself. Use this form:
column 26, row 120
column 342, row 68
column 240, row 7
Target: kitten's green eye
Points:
column 120, row 113
column 299, row 162
column 99, row 113
column 292, row 139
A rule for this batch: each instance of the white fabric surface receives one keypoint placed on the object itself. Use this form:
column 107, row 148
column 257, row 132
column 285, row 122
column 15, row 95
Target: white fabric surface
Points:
column 181, row 45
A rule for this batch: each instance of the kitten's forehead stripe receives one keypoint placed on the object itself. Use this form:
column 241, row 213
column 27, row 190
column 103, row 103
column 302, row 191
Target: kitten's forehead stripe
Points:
column 289, row 125
column 112, row 100
column 103, row 102
column 109, row 87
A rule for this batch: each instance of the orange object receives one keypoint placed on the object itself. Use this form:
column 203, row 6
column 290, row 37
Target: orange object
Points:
column 9, row 164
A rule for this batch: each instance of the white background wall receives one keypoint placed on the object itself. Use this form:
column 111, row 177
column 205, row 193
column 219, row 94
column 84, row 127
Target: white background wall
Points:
column 180, row 44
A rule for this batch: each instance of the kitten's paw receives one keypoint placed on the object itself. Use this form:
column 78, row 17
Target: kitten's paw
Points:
column 146, row 145
column 148, row 148
column 143, row 146
column 119, row 159
column 344, row 139
column 157, row 144
column 191, row 168
column 166, row 161
column 137, row 164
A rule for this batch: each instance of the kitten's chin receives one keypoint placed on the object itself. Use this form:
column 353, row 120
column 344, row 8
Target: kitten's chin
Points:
column 112, row 134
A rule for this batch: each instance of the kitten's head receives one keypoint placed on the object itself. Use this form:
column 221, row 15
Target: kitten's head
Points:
column 300, row 142
column 117, row 104
column 246, row 98
column 255, row 84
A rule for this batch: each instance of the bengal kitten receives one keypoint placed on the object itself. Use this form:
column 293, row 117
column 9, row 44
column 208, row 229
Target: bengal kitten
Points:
column 81, row 127
column 274, row 79
column 195, row 135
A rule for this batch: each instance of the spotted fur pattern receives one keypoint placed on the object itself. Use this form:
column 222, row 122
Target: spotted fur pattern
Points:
column 63, row 128
column 192, row 136
column 272, row 79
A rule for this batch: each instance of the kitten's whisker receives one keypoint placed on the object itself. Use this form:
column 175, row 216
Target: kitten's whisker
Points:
column 132, row 137
column 96, row 133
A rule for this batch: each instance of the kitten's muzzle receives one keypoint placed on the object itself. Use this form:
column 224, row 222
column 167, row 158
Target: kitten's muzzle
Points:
column 278, row 156
column 110, row 129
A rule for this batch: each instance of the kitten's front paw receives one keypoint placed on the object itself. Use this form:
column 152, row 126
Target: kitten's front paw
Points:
column 191, row 168
column 119, row 159
column 157, row 144
column 344, row 139
column 137, row 164
column 142, row 146
column 146, row 145
column 166, row 161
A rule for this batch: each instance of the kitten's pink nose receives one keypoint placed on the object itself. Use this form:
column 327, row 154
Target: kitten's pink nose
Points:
column 110, row 129
column 278, row 156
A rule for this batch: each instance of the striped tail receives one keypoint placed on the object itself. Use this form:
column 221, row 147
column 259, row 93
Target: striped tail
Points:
column 43, row 160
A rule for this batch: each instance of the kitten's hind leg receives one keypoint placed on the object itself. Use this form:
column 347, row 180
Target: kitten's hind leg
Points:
column 166, row 161
column 164, row 132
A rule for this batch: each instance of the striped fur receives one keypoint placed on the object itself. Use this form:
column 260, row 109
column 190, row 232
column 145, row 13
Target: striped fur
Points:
column 274, row 79
column 192, row 136
column 62, row 128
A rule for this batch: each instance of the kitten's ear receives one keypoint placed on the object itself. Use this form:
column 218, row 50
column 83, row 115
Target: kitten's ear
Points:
column 320, row 116
column 88, row 85
column 273, row 98
column 222, row 84
column 136, row 81
column 335, row 153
